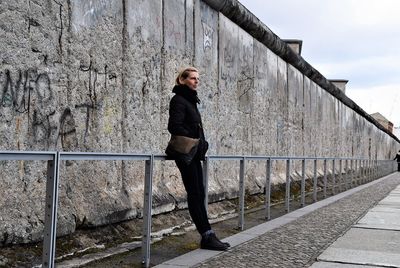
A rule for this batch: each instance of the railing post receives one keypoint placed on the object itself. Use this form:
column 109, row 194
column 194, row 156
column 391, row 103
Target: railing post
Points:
column 360, row 172
column 355, row 172
column 241, row 194
column 381, row 167
column 287, row 192
column 147, row 203
column 205, row 181
column 325, row 177
column 303, row 183
column 385, row 168
column 363, row 171
column 315, row 181
column 351, row 173
column 371, row 175
column 333, row 176
column 268, row 189
column 378, row 164
column 374, row 169
column 346, row 175
column 371, row 170
column 340, row 175
column 51, row 202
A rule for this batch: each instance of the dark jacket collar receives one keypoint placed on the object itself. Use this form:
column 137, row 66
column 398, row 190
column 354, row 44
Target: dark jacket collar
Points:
column 187, row 93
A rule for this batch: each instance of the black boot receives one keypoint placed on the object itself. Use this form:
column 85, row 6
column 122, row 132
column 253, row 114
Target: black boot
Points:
column 213, row 243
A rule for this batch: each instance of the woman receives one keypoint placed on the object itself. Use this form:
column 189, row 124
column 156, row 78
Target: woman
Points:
column 185, row 120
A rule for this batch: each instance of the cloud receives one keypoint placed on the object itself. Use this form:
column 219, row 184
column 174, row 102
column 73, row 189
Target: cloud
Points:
column 383, row 13
column 372, row 70
column 382, row 99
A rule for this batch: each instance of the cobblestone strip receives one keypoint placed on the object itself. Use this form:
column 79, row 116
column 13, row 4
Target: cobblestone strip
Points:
column 298, row 243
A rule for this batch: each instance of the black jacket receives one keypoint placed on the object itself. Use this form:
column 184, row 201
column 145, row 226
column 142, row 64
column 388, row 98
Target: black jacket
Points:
column 184, row 117
column 397, row 157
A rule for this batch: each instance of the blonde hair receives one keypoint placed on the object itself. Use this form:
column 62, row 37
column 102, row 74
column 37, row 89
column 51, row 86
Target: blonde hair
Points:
column 184, row 73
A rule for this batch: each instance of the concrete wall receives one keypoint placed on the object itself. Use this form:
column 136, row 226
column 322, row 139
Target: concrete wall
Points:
column 97, row 76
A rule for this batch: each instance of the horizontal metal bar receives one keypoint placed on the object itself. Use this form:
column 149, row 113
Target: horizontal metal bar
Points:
column 44, row 155
column 160, row 157
column 225, row 157
column 262, row 157
column 102, row 156
column 26, row 155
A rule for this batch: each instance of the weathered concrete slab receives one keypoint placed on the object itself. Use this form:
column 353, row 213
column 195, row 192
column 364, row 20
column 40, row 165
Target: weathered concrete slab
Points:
column 391, row 200
column 190, row 259
column 385, row 215
column 380, row 220
column 366, row 247
column 339, row 265
column 396, row 191
column 390, row 204
column 386, row 208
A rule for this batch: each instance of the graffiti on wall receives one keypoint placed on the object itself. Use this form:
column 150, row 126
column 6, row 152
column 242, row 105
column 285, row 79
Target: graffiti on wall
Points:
column 172, row 30
column 94, row 81
column 207, row 36
column 245, row 84
column 29, row 92
column 17, row 92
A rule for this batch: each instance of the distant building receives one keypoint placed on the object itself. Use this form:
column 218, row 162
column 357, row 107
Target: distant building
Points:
column 340, row 83
column 383, row 121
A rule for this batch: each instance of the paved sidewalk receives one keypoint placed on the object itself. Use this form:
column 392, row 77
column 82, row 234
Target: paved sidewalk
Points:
column 298, row 238
column 374, row 241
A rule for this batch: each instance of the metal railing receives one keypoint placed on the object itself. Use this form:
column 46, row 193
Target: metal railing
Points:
column 356, row 171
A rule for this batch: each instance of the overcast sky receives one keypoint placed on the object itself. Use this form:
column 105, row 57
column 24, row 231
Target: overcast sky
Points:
column 357, row 40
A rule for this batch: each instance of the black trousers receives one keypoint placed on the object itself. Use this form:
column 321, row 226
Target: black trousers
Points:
column 398, row 166
column 192, row 177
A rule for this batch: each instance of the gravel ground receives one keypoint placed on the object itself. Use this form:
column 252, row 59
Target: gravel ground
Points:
column 298, row 243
